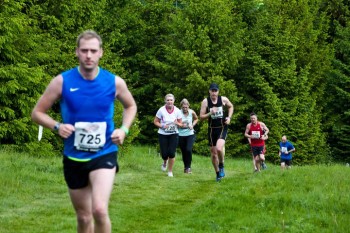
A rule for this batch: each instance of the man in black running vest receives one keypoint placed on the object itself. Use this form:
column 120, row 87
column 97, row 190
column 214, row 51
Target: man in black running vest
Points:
column 212, row 108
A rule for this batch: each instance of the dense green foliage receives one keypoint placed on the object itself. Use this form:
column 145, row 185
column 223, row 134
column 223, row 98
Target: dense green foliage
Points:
column 337, row 101
column 288, row 61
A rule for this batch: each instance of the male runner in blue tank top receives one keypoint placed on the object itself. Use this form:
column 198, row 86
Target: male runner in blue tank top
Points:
column 87, row 94
column 212, row 108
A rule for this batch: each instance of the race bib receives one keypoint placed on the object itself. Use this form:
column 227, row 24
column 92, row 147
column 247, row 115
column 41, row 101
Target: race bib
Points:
column 90, row 136
column 185, row 124
column 284, row 149
column 171, row 128
column 256, row 134
column 219, row 112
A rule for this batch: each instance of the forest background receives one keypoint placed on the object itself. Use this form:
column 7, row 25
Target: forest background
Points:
column 287, row 61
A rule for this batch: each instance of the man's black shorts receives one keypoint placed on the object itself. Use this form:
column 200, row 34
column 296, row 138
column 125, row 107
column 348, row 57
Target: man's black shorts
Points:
column 288, row 162
column 214, row 134
column 257, row 150
column 76, row 173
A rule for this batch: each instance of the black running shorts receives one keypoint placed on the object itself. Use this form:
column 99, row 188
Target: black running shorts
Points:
column 288, row 162
column 76, row 173
column 258, row 150
column 214, row 134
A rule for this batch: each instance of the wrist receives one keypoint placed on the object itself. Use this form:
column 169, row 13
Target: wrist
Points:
column 125, row 129
column 57, row 126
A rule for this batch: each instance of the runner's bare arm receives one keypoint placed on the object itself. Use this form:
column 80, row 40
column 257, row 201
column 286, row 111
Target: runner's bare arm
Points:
column 195, row 119
column 265, row 128
column 229, row 106
column 266, row 131
column 203, row 113
column 50, row 96
column 125, row 97
column 246, row 133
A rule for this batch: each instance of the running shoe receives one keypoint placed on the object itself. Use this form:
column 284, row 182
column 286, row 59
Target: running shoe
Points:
column 188, row 171
column 163, row 167
column 170, row 174
column 218, row 179
column 263, row 166
column 221, row 172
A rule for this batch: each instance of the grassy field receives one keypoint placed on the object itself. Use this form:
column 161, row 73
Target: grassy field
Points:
column 34, row 197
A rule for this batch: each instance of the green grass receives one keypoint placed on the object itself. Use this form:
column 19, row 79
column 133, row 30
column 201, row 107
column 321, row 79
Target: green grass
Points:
column 34, row 197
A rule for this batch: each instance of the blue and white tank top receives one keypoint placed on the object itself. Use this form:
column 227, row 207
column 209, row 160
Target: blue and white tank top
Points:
column 89, row 106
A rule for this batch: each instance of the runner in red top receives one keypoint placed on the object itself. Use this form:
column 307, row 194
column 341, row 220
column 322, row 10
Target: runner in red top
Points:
column 263, row 165
column 256, row 132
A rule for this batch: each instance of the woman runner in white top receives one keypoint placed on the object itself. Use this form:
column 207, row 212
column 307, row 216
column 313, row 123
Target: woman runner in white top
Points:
column 168, row 119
